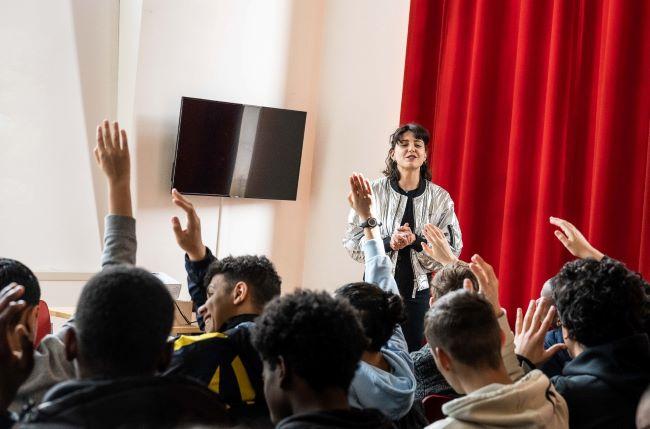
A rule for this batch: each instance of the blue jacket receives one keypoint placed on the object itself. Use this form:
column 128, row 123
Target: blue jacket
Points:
column 390, row 392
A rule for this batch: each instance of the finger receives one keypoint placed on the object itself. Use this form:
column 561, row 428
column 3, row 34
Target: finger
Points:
column 529, row 315
column 537, row 318
column 96, row 153
column 125, row 142
column 467, row 285
column 548, row 353
column 351, row 180
column 116, row 136
column 11, row 315
column 519, row 321
column 548, row 320
column 480, row 274
column 107, row 135
column 176, row 226
column 563, row 224
column 563, row 238
column 426, row 248
column 489, row 271
column 366, row 185
column 9, row 294
column 100, row 139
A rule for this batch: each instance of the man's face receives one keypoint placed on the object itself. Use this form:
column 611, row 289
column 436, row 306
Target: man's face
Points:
column 276, row 397
column 219, row 306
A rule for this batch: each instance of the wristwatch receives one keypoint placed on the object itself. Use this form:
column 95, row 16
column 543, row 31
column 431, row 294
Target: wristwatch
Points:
column 371, row 222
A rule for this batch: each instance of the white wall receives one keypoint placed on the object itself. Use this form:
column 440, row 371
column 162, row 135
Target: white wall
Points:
column 57, row 79
column 364, row 46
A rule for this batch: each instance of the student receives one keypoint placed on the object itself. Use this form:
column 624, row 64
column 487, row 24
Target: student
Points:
column 50, row 363
column 601, row 309
column 465, row 340
column 228, row 294
column 384, row 379
column 119, row 342
column 311, row 343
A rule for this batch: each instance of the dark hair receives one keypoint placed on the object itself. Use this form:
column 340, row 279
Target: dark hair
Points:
column 123, row 319
column 464, row 325
column 420, row 133
column 13, row 271
column 599, row 301
column 379, row 311
column 450, row 278
column 318, row 336
column 256, row 271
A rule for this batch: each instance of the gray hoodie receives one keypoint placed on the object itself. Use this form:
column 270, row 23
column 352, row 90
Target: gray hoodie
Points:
column 531, row 402
column 50, row 363
column 392, row 392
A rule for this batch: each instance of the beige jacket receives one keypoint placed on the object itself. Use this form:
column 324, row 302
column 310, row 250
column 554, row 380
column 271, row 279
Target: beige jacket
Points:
column 531, row 402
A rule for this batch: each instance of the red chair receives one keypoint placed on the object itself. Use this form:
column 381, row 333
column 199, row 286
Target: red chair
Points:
column 43, row 324
column 433, row 406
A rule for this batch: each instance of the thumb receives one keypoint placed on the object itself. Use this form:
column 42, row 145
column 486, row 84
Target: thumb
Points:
column 551, row 351
column 467, row 285
column 176, row 225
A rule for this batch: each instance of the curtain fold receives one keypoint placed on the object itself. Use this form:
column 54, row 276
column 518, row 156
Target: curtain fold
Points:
column 536, row 109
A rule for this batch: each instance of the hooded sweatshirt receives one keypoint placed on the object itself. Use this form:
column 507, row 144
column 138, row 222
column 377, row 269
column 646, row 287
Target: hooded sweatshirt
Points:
column 603, row 384
column 352, row 418
column 391, row 392
column 531, row 402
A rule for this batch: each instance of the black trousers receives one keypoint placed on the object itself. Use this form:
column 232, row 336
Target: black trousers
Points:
column 413, row 326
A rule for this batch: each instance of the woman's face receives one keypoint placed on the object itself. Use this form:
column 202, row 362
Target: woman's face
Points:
column 409, row 152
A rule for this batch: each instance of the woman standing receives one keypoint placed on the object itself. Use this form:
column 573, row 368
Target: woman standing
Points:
column 406, row 200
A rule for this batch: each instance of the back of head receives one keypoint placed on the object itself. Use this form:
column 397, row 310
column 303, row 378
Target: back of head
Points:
column 464, row 325
column 379, row 311
column 450, row 278
column 599, row 301
column 123, row 319
column 12, row 271
column 256, row 271
column 318, row 336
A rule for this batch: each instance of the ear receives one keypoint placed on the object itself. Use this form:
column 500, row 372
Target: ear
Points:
column 71, row 344
column 391, row 154
column 283, row 374
column 432, row 301
column 165, row 357
column 240, row 293
column 442, row 358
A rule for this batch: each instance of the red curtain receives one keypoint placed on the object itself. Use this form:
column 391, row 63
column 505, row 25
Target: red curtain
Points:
column 536, row 109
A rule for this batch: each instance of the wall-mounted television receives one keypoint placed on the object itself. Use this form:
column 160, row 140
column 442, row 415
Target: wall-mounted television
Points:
column 238, row 150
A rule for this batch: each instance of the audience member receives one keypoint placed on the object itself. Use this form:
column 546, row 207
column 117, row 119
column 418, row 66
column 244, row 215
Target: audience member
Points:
column 601, row 308
column 643, row 411
column 311, row 344
column 465, row 340
column 384, row 379
column 228, row 295
column 50, row 363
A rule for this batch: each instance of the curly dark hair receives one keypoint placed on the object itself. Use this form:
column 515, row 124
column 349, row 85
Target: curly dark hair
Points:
column 599, row 301
column 450, row 278
column 379, row 311
column 420, row 133
column 318, row 336
column 124, row 316
column 256, row 271
column 464, row 325
column 13, row 271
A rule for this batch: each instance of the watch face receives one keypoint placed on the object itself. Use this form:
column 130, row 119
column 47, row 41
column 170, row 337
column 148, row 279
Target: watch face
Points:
column 372, row 222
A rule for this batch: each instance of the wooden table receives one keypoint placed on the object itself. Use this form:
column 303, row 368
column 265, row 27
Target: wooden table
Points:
column 68, row 312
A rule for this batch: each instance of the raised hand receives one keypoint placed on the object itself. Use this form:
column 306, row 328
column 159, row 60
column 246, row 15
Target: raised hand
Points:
column 112, row 156
column 530, row 331
column 189, row 239
column 574, row 241
column 360, row 196
column 437, row 246
column 15, row 367
column 488, row 284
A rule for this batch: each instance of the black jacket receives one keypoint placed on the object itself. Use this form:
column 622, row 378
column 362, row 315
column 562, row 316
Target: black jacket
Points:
column 352, row 418
column 603, row 385
column 142, row 402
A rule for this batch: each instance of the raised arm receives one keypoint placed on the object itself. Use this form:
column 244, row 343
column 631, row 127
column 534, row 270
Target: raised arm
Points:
column 574, row 241
column 112, row 156
column 197, row 256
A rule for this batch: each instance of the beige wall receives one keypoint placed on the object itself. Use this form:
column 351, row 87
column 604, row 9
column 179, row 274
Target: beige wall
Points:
column 339, row 60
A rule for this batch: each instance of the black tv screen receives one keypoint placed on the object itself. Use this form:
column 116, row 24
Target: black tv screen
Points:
column 238, row 150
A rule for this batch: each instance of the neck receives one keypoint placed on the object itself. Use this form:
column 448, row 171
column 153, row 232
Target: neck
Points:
column 474, row 379
column 309, row 401
column 409, row 179
column 375, row 359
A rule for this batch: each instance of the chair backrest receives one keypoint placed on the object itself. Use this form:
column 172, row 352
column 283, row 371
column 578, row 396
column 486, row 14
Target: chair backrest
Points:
column 43, row 324
column 433, row 406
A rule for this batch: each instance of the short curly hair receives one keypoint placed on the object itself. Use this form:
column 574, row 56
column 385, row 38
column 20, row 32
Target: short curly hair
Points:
column 318, row 336
column 14, row 271
column 450, row 278
column 599, row 301
column 256, row 271
column 379, row 311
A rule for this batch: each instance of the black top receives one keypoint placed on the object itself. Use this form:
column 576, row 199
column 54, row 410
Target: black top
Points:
column 352, row 418
column 403, row 269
